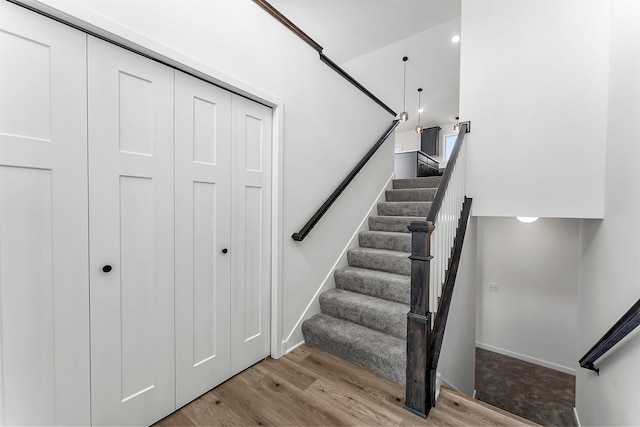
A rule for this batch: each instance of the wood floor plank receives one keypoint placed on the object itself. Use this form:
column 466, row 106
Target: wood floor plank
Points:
column 209, row 409
column 374, row 385
column 337, row 398
column 309, row 387
column 242, row 398
column 481, row 410
column 176, row 419
column 468, row 411
column 299, row 353
column 291, row 372
column 298, row 407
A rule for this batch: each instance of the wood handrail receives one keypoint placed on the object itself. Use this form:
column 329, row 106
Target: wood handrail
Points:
column 465, row 128
column 300, row 235
column 324, row 58
column 424, row 342
column 354, row 82
column 290, row 25
column 623, row 327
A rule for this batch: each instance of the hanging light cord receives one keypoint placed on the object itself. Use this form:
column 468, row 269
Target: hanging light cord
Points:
column 419, row 106
column 404, row 85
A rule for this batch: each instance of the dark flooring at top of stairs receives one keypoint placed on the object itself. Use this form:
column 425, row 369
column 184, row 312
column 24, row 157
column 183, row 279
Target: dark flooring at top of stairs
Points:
column 539, row 394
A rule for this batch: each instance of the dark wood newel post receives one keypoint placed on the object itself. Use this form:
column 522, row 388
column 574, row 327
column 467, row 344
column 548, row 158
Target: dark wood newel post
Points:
column 418, row 395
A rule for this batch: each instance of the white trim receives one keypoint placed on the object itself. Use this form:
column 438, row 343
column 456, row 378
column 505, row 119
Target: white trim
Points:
column 306, row 314
column 525, row 358
column 277, row 208
column 87, row 20
column 575, row 415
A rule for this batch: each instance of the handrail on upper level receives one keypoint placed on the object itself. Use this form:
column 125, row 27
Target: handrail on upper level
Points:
column 300, row 235
column 465, row 127
column 623, row 327
column 324, row 58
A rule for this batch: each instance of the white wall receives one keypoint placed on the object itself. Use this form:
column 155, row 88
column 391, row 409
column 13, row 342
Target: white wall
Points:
column 458, row 357
column 610, row 272
column 321, row 138
column 433, row 65
column 408, row 140
column 533, row 316
column 533, row 83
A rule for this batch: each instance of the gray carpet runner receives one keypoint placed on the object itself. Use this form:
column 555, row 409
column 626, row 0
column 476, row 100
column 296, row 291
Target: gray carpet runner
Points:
column 364, row 319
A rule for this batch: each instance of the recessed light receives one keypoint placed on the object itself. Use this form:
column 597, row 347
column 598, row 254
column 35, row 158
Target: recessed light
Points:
column 455, row 39
column 421, row 110
column 527, row 219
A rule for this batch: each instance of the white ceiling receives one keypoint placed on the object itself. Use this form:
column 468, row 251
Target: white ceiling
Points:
column 368, row 38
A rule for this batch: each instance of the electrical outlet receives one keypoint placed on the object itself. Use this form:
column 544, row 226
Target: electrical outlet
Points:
column 493, row 287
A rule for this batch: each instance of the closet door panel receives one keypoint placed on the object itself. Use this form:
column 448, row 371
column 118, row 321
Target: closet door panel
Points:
column 44, row 316
column 132, row 232
column 203, row 185
column 251, row 233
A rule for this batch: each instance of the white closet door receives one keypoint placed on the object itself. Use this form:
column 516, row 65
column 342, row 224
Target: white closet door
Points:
column 203, row 185
column 44, row 316
column 251, row 233
column 131, row 231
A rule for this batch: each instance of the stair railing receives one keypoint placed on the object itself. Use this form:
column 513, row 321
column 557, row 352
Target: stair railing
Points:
column 435, row 254
column 324, row 58
column 300, row 235
column 623, row 327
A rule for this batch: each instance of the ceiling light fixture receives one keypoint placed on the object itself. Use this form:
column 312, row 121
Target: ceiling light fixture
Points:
column 404, row 116
column 456, row 127
column 527, row 219
column 419, row 128
column 455, row 39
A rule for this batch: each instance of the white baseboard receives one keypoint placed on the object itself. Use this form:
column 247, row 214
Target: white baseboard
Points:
column 575, row 415
column 540, row 362
column 295, row 334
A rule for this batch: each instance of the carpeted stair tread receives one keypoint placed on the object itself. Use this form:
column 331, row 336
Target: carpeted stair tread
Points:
column 411, row 195
column 404, row 208
column 393, row 241
column 425, row 182
column 393, row 223
column 379, row 284
column 380, row 260
column 357, row 344
column 374, row 313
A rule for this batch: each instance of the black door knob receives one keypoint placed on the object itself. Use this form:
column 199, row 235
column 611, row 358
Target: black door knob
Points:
column 225, row 250
column 106, row 268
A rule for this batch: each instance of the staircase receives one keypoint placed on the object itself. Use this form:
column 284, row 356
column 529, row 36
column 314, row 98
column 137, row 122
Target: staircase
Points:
column 364, row 319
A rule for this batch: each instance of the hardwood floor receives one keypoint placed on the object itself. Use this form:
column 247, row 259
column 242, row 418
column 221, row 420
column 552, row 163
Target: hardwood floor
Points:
column 309, row 387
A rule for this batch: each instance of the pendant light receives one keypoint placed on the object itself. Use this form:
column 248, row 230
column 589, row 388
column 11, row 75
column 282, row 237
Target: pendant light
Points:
column 404, row 116
column 419, row 128
column 456, row 127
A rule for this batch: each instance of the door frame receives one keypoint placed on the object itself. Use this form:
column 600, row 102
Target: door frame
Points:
column 98, row 26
